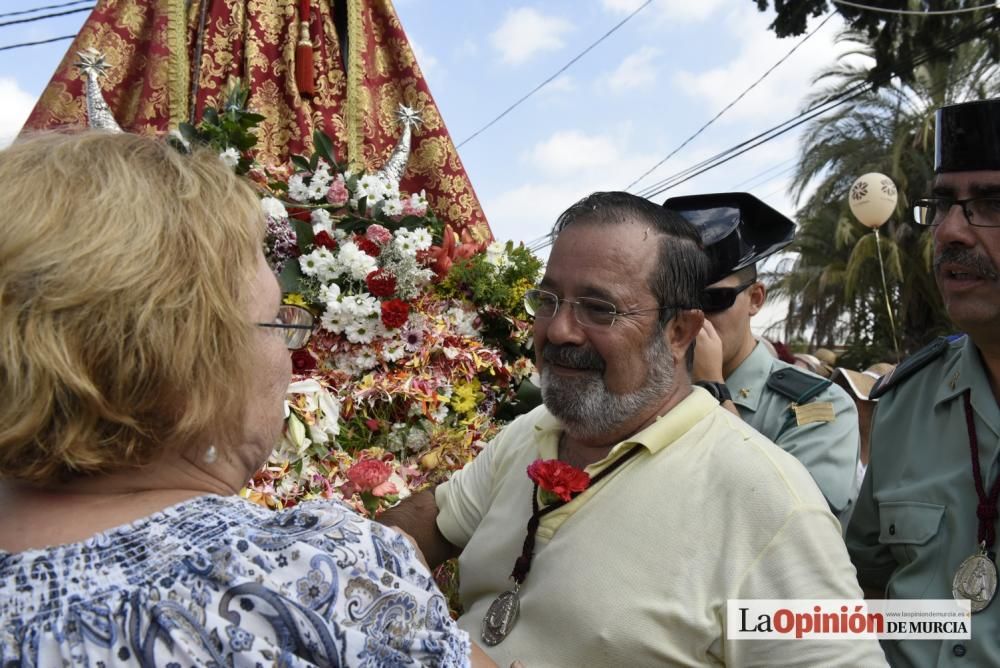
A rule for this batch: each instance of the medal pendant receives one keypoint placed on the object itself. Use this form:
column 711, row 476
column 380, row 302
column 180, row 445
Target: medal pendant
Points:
column 502, row 614
column 976, row 580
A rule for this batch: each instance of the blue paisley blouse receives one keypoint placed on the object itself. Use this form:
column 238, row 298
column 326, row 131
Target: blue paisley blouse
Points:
column 219, row 581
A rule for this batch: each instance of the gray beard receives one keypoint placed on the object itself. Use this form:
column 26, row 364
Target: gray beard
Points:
column 588, row 409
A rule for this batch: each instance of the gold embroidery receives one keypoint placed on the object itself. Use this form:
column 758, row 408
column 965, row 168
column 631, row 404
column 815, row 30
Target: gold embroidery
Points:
column 817, row 411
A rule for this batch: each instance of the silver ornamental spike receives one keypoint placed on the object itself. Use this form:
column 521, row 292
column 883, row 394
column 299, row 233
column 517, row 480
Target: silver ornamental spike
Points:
column 394, row 168
column 93, row 66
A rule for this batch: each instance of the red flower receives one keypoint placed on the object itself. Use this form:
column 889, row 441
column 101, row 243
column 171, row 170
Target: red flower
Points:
column 367, row 245
column 381, row 283
column 371, row 475
column 395, row 313
column 558, row 478
column 302, row 361
column 324, row 240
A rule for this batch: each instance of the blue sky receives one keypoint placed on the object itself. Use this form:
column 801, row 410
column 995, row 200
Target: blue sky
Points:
column 610, row 117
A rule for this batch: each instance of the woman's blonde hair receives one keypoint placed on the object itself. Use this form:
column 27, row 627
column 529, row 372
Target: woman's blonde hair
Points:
column 125, row 268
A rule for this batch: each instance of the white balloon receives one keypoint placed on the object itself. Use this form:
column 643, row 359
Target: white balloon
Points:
column 873, row 199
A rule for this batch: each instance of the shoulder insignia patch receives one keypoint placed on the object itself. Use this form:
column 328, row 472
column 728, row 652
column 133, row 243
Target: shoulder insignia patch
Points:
column 909, row 366
column 817, row 411
column 797, row 385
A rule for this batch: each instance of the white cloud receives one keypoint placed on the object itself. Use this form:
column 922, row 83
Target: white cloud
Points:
column 780, row 95
column 635, row 71
column 563, row 83
column 558, row 171
column 661, row 11
column 572, row 151
column 17, row 105
column 526, row 32
column 428, row 63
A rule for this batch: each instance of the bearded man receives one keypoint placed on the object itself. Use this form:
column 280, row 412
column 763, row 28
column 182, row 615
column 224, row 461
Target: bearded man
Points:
column 686, row 505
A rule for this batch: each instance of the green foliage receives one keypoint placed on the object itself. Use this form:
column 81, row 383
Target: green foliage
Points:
column 231, row 127
column 834, row 285
column 900, row 43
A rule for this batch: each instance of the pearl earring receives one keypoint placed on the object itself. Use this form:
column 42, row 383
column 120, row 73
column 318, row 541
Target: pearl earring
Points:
column 210, row 455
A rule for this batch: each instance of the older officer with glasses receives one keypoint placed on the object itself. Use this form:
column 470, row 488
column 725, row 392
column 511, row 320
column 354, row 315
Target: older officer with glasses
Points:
column 926, row 521
column 806, row 415
column 686, row 506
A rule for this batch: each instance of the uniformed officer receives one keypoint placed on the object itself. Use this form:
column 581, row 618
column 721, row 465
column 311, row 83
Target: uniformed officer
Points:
column 806, row 415
column 926, row 519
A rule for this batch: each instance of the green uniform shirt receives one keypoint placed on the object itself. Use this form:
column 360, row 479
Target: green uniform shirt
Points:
column 915, row 520
column 829, row 449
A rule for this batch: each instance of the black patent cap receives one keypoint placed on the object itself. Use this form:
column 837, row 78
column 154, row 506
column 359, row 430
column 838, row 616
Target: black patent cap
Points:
column 967, row 137
column 737, row 229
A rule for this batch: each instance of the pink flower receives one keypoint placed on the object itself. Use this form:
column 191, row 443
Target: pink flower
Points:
column 337, row 195
column 378, row 234
column 411, row 208
column 371, row 475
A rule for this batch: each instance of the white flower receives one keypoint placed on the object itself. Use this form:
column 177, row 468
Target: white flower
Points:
column 273, row 208
column 319, row 262
column 392, row 207
column 496, row 254
column 177, row 136
column 372, row 187
column 297, row 188
column 321, row 221
column 361, row 331
column 463, row 321
column 230, row 157
column 365, row 360
column 329, row 294
column 393, row 351
column 355, row 261
column 318, row 186
column 411, row 241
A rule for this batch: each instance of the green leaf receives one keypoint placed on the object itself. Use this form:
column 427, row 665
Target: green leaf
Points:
column 324, row 147
column 290, row 276
column 303, row 233
column 301, row 162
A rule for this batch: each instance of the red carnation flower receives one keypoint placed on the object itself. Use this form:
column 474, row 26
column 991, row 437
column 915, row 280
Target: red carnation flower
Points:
column 324, row 240
column 395, row 313
column 302, row 361
column 367, row 245
column 381, row 283
column 558, row 479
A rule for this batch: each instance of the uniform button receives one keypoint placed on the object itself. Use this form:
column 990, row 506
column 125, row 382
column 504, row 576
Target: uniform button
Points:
column 958, row 650
column 780, row 374
column 892, row 532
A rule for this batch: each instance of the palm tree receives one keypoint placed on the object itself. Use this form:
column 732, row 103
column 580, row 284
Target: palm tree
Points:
column 834, row 286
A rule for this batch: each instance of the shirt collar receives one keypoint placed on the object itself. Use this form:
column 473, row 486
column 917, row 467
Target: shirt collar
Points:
column 745, row 381
column 662, row 432
column 965, row 371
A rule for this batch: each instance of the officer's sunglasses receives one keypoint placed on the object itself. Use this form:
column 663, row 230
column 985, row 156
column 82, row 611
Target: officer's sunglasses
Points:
column 714, row 300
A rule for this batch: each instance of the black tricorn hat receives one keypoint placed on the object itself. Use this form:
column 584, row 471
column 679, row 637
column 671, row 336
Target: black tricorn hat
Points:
column 967, row 137
column 737, row 229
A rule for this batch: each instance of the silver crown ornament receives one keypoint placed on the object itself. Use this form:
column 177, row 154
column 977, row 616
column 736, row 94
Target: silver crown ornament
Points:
column 93, row 66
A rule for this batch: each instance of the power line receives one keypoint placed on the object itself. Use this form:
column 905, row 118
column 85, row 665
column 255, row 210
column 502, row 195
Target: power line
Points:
column 44, row 41
column 40, row 9
column 730, row 105
column 551, row 78
column 915, row 12
column 47, row 16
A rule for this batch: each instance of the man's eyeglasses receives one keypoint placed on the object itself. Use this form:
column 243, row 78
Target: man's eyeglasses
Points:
column 978, row 211
column 714, row 300
column 296, row 325
column 588, row 312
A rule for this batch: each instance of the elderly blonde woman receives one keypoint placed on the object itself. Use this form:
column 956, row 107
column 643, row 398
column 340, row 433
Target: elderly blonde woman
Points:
column 143, row 364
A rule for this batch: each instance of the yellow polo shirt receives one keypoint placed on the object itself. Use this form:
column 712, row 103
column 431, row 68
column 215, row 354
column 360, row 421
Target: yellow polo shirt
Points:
column 636, row 571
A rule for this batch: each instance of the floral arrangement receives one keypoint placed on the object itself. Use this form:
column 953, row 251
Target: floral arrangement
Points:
column 556, row 480
column 421, row 333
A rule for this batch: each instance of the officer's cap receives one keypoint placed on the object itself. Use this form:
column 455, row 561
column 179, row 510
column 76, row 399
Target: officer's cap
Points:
column 967, row 137
column 737, row 229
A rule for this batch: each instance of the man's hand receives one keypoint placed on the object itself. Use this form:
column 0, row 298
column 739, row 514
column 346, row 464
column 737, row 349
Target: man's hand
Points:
column 708, row 355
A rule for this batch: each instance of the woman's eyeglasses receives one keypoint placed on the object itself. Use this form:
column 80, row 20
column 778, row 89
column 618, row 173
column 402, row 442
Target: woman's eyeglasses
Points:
column 296, row 325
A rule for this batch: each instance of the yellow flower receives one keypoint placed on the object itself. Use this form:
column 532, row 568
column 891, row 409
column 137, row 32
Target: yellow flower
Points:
column 466, row 396
column 296, row 299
